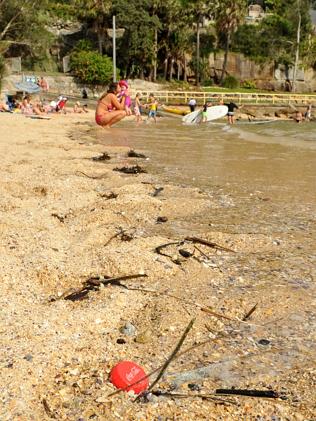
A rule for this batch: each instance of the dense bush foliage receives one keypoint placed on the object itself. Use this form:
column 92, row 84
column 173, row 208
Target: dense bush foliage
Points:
column 91, row 67
column 230, row 82
column 248, row 84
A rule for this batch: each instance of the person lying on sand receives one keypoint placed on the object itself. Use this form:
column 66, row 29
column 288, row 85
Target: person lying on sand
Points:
column 80, row 109
column 109, row 109
column 28, row 107
column 4, row 107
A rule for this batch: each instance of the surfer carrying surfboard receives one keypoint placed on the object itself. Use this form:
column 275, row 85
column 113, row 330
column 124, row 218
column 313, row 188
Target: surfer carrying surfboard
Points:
column 204, row 111
column 231, row 111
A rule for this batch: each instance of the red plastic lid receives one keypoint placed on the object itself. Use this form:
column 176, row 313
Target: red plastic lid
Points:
column 126, row 373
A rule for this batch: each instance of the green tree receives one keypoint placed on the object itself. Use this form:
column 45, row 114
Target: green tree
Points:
column 18, row 20
column 91, row 67
column 96, row 15
column 229, row 14
column 275, row 38
column 199, row 10
column 23, row 29
column 136, row 48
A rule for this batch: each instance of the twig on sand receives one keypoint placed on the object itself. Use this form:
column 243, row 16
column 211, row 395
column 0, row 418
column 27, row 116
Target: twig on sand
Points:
column 93, row 177
column 203, row 396
column 208, row 243
column 94, row 284
column 48, row 411
column 159, row 249
column 157, row 191
column 173, row 354
column 190, row 240
column 252, row 393
column 121, row 233
column 247, row 315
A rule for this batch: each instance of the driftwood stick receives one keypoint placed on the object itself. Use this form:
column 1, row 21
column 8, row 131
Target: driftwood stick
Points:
column 204, row 396
column 208, row 243
column 251, row 393
column 173, row 243
column 247, row 315
column 173, row 354
column 159, row 248
column 120, row 232
column 203, row 254
column 93, row 177
column 94, row 283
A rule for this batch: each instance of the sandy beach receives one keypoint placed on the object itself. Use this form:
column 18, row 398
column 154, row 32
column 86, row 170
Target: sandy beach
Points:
column 66, row 218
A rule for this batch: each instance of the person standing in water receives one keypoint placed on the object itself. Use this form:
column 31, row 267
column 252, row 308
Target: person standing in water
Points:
column 231, row 111
column 204, row 111
column 153, row 105
column 137, row 109
column 308, row 113
column 192, row 105
column 109, row 109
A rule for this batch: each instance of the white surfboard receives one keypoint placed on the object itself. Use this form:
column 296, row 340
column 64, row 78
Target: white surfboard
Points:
column 190, row 118
column 212, row 113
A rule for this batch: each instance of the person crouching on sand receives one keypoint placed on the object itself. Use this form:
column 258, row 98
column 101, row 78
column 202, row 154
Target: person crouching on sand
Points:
column 109, row 109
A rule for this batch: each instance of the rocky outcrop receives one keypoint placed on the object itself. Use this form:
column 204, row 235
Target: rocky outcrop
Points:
column 266, row 76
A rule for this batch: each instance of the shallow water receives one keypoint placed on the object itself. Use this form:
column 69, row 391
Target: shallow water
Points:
column 262, row 181
column 277, row 158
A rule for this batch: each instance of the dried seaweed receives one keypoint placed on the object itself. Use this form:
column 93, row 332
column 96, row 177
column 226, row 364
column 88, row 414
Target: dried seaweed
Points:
column 93, row 177
column 135, row 169
column 108, row 196
column 61, row 218
column 122, row 234
column 104, row 157
column 134, row 154
column 161, row 219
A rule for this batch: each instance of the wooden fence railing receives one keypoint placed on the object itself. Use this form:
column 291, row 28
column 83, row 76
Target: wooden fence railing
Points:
column 182, row 98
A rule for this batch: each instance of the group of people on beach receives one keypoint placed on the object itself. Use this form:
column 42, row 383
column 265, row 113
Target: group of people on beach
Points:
column 116, row 103
column 40, row 107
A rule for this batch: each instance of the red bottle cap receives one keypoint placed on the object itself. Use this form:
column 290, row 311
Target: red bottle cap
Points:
column 126, row 373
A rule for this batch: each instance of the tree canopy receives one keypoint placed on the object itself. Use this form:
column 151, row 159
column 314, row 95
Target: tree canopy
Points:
column 164, row 38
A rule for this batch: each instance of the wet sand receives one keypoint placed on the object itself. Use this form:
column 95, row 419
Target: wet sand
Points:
column 59, row 227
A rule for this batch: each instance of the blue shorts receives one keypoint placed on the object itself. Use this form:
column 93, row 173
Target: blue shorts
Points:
column 152, row 113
